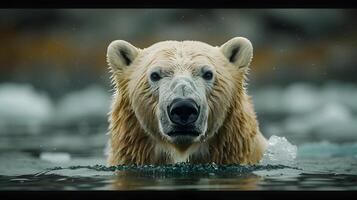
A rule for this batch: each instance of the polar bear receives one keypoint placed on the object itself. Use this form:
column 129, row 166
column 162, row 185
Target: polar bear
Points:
column 182, row 101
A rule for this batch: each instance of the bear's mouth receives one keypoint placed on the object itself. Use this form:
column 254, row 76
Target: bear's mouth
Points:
column 191, row 133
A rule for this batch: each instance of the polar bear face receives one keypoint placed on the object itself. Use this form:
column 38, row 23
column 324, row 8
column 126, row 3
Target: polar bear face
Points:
column 180, row 92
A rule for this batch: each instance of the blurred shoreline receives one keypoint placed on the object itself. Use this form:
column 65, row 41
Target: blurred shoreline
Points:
column 63, row 50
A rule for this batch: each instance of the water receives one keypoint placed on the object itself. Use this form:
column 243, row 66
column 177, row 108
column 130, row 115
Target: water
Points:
column 284, row 167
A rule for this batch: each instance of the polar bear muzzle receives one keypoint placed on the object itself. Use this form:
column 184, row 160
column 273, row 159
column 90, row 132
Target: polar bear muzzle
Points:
column 183, row 112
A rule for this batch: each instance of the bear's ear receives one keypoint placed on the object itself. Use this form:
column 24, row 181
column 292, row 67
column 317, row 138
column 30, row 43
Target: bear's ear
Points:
column 120, row 54
column 239, row 51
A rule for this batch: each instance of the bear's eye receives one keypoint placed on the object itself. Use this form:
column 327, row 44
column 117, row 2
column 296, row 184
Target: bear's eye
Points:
column 207, row 75
column 155, row 76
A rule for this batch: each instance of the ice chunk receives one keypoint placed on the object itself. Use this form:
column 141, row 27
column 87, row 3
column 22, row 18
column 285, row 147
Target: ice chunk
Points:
column 310, row 112
column 331, row 115
column 93, row 101
column 268, row 100
column 21, row 104
column 295, row 99
column 300, row 98
column 55, row 157
column 345, row 94
column 279, row 152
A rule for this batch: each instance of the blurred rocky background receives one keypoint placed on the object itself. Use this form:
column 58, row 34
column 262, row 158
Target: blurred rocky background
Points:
column 54, row 79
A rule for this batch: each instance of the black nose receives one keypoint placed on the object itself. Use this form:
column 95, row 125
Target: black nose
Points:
column 183, row 111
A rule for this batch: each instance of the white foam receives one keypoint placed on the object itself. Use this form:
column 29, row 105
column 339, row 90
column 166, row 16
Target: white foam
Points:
column 279, row 152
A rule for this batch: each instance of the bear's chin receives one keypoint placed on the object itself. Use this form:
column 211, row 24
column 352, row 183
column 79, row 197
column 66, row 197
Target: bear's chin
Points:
column 182, row 142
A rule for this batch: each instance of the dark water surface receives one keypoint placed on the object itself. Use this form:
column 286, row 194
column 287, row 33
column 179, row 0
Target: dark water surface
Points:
column 245, row 178
column 77, row 163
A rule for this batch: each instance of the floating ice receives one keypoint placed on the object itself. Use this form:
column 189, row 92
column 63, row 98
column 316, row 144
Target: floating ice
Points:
column 279, row 152
column 25, row 110
column 268, row 100
column 56, row 157
column 300, row 98
column 21, row 104
column 345, row 94
column 93, row 101
column 308, row 112
column 332, row 113
column 325, row 122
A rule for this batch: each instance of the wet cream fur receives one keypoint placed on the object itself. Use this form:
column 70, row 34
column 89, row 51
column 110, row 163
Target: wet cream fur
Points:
column 232, row 134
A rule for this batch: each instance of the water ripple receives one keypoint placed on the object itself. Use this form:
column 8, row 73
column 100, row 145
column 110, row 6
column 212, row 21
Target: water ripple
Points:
column 175, row 169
